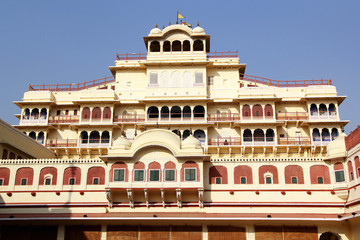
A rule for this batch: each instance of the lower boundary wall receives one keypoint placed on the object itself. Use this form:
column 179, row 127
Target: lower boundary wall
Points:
column 18, row 231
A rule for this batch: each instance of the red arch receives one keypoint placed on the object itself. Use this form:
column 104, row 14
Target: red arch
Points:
column 319, row 171
column 294, row 171
column 271, row 169
column 96, row 113
column 338, row 166
column 5, row 175
column 45, row 171
column 351, row 170
column 119, row 165
column 5, row 154
column 154, row 165
column 218, row 171
column 269, row 111
column 243, row 171
column 189, row 164
column 357, row 166
column 257, row 111
column 85, row 114
column 246, row 112
column 170, row 165
column 96, row 172
column 107, row 113
column 24, row 172
column 72, row 172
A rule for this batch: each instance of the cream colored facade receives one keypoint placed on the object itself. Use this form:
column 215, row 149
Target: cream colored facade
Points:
column 182, row 141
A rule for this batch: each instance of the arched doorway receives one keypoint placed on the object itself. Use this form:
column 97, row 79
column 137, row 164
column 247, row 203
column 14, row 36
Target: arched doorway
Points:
column 329, row 236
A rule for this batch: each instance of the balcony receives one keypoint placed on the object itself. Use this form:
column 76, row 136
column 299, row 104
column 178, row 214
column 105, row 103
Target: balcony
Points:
column 224, row 141
column 61, row 119
column 95, row 143
column 73, row 143
column 321, row 141
column 323, row 115
column 259, row 141
column 223, row 117
column 292, row 116
column 129, row 118
column 258, row 118
column 96, row 120
column 34, row 120
column 294, row 141
column 61, row 143
column 175, row 118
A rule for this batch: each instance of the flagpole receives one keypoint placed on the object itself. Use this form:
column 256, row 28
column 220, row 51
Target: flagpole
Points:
column 177, row 17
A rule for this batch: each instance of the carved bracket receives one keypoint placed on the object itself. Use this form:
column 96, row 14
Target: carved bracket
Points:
column 109, row 197
column 201, row 197
column 162, row 192
column 146, row 194
column 178, row 197
column 130, row 196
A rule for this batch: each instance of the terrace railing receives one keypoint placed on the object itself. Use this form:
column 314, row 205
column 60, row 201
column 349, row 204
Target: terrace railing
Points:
column 288, row 116
column 64, row 119
column 224, row 141
column 129, row 118
column 223, row 117
column 61, row 143
column 294, row 141
column 284, row 83
column 72, row 86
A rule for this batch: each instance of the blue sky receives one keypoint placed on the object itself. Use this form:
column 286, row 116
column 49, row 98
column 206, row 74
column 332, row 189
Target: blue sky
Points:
column 75, row 41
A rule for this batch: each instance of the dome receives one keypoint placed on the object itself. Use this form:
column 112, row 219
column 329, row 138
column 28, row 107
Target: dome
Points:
column 199, row 30
column 336, row 148
column 155, row 31
column 121, row 143
column 191, row 142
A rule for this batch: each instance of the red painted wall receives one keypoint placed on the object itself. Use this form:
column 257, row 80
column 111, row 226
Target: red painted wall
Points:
column 357, row 165
column 319, row 171
column 268, row 168
column 351, row 170
column 48, row 170
column 72, row 172
column 24, row 172
column 218, row 171
column 5, row 175
column 95, row 172
column 294, row 171
column 338, row 166
column 243, row 171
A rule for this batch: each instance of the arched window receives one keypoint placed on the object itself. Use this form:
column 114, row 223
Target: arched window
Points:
column 96, row 113
column 119, row 172
column 177, row 132
column 319, row 174
column 166, row 46
column 246, row 112
column 190, row 172
column 322, row 110
column 164, row 113
column 257, row 111
column 32, row 135
column 72, row 176
column 334, row 133
column 243, row 175
column 43, row 113
column 41, row 138
column 199, row 112
column 186, row 113
column 218, row 175
column 186, row 133
column 153, row 112
column 5, row 154
column 48, row 176
column 313, row 110
column 316, row 135
column 339, row 172
column 270, row 135
column 357, row 166
column 35, row 113
column 96, row 176
column 176, row 46
column 84, row 137
column 170, row 172
column 294, row 172
column 94, row 137
column 325, row 135
column 200, row 134
column 24, row 176
column 12, row 155
column 26, row 114
column 351, row 170
column 85, row 115
column 154, row 172
column 259, row 135
column 154, row 46
column 107, row 113
column 139, row 172
column 105, row 137
column 268, row 174
column 247, row 135
column 329, row 236
column 5, row 175
column 175, row 112
column 198, row 45
column 268, row 111
column 332, row 109
column 186, row 46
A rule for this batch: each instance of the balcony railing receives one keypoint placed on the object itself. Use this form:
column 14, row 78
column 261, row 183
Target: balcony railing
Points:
column 31, row 119
column 61, row 143
column 284, row 83
column 259, row 141
column 165, row 117
column 228, row 54
column 72, row 86
column 288, row 116
column 321, row 141
column 257, row 118
column 96, row 120
column 129, row 118
column 64, row 119
column 223, row 117
column 294, row 141
column 224, row 141
column 95, row 143
column 323, row 115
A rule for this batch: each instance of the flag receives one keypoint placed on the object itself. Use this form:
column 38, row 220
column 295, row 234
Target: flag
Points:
column 180, row 16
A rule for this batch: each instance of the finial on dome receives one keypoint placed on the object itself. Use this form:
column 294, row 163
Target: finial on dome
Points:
column 191, row 131
column 177, row 21
column 163, row 26
column 169, row 23
column 198, row 24
column 156, row 25
column 135, row 134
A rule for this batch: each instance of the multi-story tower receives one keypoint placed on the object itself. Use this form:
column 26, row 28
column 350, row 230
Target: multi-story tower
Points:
column 182, row 134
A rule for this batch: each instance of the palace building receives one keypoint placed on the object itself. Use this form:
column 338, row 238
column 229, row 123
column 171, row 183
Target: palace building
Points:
column 180, row 143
